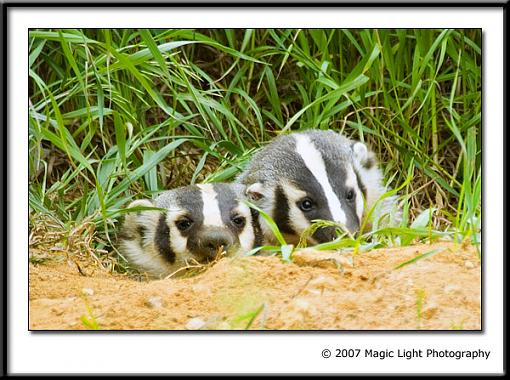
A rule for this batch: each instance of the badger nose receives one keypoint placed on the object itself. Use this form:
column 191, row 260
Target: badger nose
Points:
column 325, row 234
column 212, row 241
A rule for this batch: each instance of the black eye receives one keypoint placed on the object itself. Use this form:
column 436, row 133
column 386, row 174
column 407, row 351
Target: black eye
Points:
column 306, row 204
column 239, row 221
column 184, row 224
column 349, row 195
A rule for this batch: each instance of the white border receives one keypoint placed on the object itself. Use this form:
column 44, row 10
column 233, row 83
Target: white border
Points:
column 246, row 353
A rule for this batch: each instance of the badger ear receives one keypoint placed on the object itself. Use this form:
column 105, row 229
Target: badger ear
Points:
column 360, row 152
column 132, row 216
column 363, row 156
column 136, row 222
column 141, row 203
column 255, row 191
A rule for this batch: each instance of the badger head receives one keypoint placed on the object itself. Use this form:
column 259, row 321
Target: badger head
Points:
column 302, row 177
column 197, row 224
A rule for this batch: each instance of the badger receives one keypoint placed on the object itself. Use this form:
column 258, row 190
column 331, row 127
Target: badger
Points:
column 310, row 175
column 196, row 223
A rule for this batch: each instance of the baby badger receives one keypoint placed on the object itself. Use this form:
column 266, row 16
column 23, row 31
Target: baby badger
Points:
column 310, row 175
column 197, row 224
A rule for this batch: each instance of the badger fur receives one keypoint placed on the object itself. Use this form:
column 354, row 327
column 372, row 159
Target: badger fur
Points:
column 386, row 211
column 196, row 224
column 316, row 174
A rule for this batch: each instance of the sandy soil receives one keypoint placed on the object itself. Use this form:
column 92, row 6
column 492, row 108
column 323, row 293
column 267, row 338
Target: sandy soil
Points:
column 319, row 290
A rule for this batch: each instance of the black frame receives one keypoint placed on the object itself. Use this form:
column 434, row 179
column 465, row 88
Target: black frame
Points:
column 4, row 209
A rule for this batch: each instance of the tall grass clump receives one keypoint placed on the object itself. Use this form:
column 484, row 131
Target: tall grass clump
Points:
column 116, row 114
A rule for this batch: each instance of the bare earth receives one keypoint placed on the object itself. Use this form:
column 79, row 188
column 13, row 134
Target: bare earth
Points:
column 318, row 291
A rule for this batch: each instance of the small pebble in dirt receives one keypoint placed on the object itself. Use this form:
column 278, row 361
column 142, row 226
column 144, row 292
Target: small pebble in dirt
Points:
column 319, row 284
column 304, row 308
column 155, row 302
column 314, row 292
column 469, row 265
column 87, row 291
column 301, row 304
column 223, row 326
column 429, row 311
column 57, row 311
column 451, row 288
column 201, row 289
column 195, row 324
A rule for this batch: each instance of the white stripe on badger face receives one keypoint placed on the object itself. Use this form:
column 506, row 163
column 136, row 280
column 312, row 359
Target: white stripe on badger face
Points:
column 247, row 236
column 297, row 219
column 178, row 243
column 211, row 211
column 352, row 182
column 314, row 162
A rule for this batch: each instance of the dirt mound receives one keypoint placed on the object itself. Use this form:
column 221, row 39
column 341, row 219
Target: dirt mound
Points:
column 319, row 290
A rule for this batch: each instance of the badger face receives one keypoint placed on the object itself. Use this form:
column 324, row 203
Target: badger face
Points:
column 309, row 176
column 210, row 219
column 197, row 225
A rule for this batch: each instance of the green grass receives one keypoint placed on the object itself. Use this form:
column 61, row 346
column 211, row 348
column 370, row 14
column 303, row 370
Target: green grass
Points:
column 121, row 113
column 420, row 300
column 89, row 321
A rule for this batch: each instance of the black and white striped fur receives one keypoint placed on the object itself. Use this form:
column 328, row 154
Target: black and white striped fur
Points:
column 198, row 223
column 310, row 175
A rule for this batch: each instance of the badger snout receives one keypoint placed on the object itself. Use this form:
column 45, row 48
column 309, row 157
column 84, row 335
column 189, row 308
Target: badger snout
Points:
column 326, row 234
column 353, row 227
column 210, row 242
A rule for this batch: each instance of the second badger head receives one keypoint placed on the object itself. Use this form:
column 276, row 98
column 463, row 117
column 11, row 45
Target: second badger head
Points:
column 311, row 175
column 195, row 225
